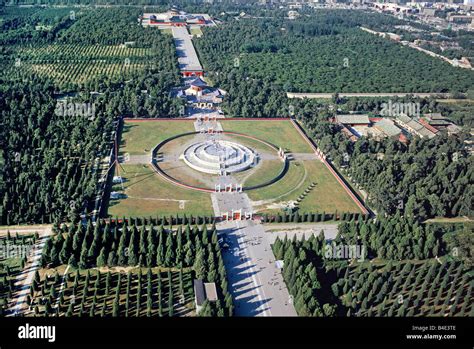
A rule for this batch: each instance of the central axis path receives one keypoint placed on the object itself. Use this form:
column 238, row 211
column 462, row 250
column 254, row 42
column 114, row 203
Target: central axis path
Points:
column 256, row 283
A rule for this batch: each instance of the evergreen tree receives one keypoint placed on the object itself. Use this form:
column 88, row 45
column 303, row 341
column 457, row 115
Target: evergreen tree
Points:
column 160, row 253
column 170, row 255
column 101, row 259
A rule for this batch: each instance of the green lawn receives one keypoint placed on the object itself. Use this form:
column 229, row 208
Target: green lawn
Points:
column 138, row 137
column 289, row 183
column 196, row 31
column 280, row 133
column 267, row 170
column 149, row 194
column 328, row 195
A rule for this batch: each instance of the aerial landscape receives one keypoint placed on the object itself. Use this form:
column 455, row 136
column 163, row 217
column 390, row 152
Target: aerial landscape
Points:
column 220, row 159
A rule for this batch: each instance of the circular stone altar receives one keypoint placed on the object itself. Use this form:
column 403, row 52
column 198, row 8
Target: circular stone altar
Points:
column 218, row 157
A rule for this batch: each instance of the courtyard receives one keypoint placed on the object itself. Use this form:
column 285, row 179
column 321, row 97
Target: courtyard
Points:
column 275, row 167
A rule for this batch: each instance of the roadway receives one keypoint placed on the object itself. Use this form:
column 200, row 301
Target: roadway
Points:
column 375, row 94
column 256, row 283
column 187, row 56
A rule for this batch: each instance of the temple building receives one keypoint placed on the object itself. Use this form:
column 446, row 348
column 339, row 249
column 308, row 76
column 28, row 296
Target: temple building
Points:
column 200, row 95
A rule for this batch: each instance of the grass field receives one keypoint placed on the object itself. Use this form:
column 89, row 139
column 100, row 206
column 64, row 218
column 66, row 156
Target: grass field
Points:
column 328, row 195
column 138, row 137
column 267, row 170
column 196, row 31
column 149, row 194
column 279, row 133
column 284, row 187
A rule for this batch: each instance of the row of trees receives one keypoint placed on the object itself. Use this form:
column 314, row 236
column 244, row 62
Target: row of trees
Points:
column 117, row 294
column 307, row 284
column 298, row 217
column 127, row 245
column 406, row 289
column 346, row 287
column 394, row 238
column 150, row 246
column 178, row 219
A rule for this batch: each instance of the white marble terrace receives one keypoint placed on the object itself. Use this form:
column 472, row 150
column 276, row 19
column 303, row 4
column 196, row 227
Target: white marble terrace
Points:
column 218, row 157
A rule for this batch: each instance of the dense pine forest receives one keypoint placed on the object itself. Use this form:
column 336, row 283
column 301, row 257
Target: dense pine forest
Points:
column 52, row 161
column 324, row 53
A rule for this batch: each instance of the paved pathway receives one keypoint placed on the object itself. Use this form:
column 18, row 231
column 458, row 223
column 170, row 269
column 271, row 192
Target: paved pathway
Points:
column 305, row 156
column 187, row 57
column 256, row 283
column 206, row 125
